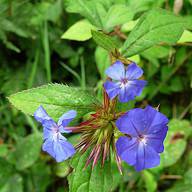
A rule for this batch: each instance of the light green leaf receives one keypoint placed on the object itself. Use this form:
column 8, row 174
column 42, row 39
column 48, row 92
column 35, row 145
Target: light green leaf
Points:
column 155, row 27
column 88, row 180
column 117, row 15
column 126, row 27
column 55, row 98
column 156, row 52
column 150, row 181
column 141, row 5
column 186, row 37
column 104, row 41
column 80, row 31
column 135, row 58
column 3, row 150
column 62, row 169
column 27, row 151
column 102, row 60
column 175, row 142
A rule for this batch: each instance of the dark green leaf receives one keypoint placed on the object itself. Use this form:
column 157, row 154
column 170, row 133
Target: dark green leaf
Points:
column 88, row 180
column 104, row 41
column 55, row 98
column 6, row 171
column 42, row 176
column 102, row 60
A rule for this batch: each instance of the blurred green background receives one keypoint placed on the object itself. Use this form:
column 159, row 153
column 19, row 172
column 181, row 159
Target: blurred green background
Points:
column 32, row 53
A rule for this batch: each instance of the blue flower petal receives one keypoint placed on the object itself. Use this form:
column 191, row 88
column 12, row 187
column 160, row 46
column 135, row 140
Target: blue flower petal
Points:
column 147, row 157
column 136, row 86
column 49, row 127
column 130, row 90
column 48, row 147
column 65, row 119
column 58, row 148
column 127, row 149
column 133, row 71
column 116, row 71
column 132, row 122
column 156, row 140
column 112, row 89
column 63, row 150
column 124, row 95
column 156, row 120
column 41, row 115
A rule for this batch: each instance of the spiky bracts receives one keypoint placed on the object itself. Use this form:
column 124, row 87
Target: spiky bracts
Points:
column 98, row 134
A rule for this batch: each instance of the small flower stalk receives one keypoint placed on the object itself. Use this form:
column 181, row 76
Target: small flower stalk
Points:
column 135, row 136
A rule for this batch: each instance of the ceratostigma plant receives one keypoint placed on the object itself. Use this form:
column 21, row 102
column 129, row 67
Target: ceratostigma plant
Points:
column 135, row 136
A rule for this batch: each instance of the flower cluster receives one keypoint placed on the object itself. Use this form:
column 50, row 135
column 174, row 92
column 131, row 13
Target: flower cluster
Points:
column 141, row 132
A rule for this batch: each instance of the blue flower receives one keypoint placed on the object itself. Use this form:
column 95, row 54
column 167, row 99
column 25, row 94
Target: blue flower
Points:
column 124, row 82
column 146, row 130
column 54, row 142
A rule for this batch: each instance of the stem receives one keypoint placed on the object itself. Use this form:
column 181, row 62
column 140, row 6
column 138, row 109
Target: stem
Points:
column 46, row 51
column 74, row 73
column 169, row 76
column 34, row 69
column 31, row 123
column 83, row 79
column 185, row 111
column 171, row 177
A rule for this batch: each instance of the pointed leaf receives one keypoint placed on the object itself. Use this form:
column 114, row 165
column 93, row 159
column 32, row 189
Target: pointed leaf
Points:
column 104, row 40
column 117, row 15
column 88, row 180
column 55, row 98
column 155, row 27
column 80, row 31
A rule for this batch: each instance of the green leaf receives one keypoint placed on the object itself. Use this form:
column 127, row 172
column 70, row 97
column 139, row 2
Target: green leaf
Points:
column 154, row 27
column 92, row 10
column 183, row 184
column 6, row 171
column 14, row 183
column 102, row 60
column 55, row 98
column 104, row 40
column 175, row 142
column 126, row 27
column 27, row 151
column 152, row 55
column 62, row 169
column 80, row 31
column 117, row 15
column 3, row 150
column 150, row 181
column 88, row 180
column 46, row 11
column 42, row 176
column 156, row 52
column 141, row 5
column 186, row 37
